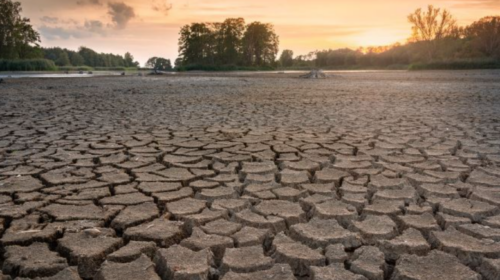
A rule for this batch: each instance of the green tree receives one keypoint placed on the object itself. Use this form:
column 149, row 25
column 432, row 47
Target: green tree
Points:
column 197, row 44
column 229, row 37
column 129, row 60
column 485, row 35
column 260, row 44
column 63, row 59
column 17, row 36
column 76, row 59
column 159, row 63
column 286, row 58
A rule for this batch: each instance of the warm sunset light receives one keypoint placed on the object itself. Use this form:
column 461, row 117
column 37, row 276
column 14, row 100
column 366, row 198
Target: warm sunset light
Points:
column 150, row 27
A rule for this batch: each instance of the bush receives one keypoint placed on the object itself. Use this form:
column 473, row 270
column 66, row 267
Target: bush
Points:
column 196, row 67
column 27, row 65
column 75, row 68
column 457, row 65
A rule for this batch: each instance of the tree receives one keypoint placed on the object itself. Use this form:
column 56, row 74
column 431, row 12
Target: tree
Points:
column 197, row 44
column 17, row 36
column 76, row 59
column 159, row 63
column 485, row 35
column 129, row 60
column 260, row 44
column 229, row 35
column 63, row 59
column 286, row 58
column 432, row 26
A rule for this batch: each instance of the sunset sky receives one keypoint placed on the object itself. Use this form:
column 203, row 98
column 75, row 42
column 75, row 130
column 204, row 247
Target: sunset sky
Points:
column 150, row 27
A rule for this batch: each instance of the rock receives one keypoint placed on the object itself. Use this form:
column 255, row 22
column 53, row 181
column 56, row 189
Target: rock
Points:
column 163, row 232
column 249, row 218
column 490, row 269
column 411, row 241
column 425, row 223
column 277, row 272
column 334, row 272
column 33, row 261
column 474, row 210
column 20, row 184
column 374, row 228
column 216, row 243
column 297, row 255
column 249, row 236
column 142, row 268
column 320, row 233
column 370, row 262
column 480, row 231
column 221, row 227
column 132, row 251
column 438, row 265
column 467, row 248
column 291, row 212
column 88, row 252
column 179, row 263
column 245, row 260
column 70, row 273
column 335, row 253
column 335, row 209
column 135, row 215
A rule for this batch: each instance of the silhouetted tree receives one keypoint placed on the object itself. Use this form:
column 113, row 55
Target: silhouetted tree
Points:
column 485, row 35
column 129, row 60
column 229, row 36
column 260, row 44
column 17, row 36
column 63, row 59
column 286, row 58
column 76, row 59
column 431, row 26
column 159, row 63
column 197, row 44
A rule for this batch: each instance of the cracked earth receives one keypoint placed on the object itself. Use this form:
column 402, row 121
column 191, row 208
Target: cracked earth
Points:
column 385, row 175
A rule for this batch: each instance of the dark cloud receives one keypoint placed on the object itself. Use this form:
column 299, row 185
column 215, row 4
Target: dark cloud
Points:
column 89, row 2
column 120, row 14
column 162, row 6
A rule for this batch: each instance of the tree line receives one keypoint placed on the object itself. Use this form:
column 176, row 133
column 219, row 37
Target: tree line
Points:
column 228, row 43
column 436, row 41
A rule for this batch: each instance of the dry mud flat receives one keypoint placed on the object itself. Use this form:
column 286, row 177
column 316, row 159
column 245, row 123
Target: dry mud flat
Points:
column 384, row 175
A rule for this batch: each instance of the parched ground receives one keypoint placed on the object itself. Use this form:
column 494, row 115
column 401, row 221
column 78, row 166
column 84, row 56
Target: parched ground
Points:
column 375, row 175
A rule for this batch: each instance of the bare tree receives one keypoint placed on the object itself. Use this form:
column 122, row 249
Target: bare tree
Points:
column 431, row 26
column 485, row 35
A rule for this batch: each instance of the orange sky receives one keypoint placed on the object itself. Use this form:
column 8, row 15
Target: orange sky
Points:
column 150, row 27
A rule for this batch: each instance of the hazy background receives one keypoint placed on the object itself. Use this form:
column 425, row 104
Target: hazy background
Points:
column 149, row 28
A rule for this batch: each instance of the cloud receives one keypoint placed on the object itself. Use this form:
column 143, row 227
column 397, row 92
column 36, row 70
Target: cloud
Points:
column 54, row 33
column 50, row 20
column 120, row 14
column 162, row 6
column 89, row 2
column 477, row 3
column 95, row 26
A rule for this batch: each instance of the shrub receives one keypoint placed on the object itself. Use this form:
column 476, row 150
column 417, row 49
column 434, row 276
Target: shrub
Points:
column 27, row 65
